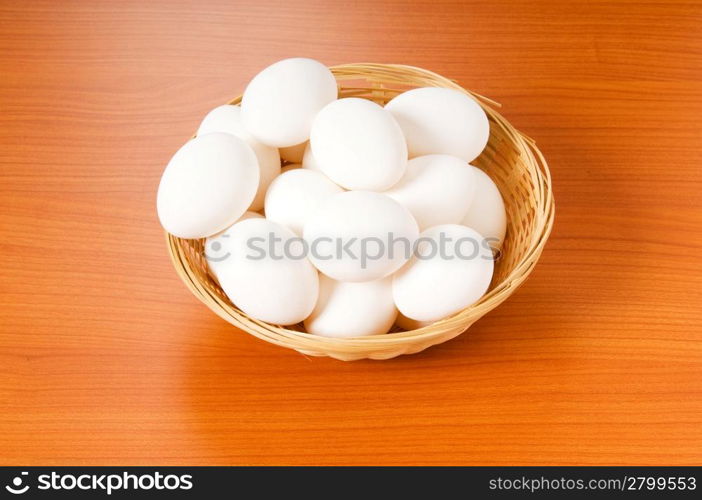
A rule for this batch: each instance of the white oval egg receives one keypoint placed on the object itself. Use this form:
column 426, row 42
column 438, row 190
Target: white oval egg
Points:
column 262, row 268
column 346, row 309
column 441, row 121
column 442, row 279
column 486, row 213
column 279, row 103
column 208, row 184
column 227, row 118
column 436, row 189
column 308, row 160
column 295, row 195
column 289, row 167
column 360, row 236
column 294, row 154
column 358, row 145
column 410, row 324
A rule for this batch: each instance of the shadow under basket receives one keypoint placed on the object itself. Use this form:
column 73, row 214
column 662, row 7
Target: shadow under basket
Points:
column 512, row 161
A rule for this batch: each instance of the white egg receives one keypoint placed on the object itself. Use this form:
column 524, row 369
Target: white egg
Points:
column 347, row 309
column 410, row 324
column 486, row 213
column 443, row 278
column 262, row 268
column 441, row 121
column 358, row 145
column 289, row 167
column 227, row 118
column 293, row 154
column 208, row 184
column 279, row 104
column 295, row 195
column 437, row 189
column 360, row 236
column 308, row 160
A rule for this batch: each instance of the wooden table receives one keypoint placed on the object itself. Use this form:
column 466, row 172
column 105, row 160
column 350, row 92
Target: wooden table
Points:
column 105, row 358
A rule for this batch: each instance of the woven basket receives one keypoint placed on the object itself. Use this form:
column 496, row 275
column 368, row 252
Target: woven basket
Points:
column 512, row 161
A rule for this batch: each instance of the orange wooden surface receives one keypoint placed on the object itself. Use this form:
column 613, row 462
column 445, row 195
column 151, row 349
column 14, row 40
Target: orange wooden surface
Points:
column 105, row 358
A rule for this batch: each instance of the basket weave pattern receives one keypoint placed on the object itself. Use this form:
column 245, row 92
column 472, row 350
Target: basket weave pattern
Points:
column 512, row 161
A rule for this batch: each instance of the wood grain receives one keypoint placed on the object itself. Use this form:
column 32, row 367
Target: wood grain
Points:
column 106, row 359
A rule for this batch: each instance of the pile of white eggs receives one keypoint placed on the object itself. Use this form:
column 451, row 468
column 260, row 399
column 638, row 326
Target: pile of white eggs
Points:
column 329, row 211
